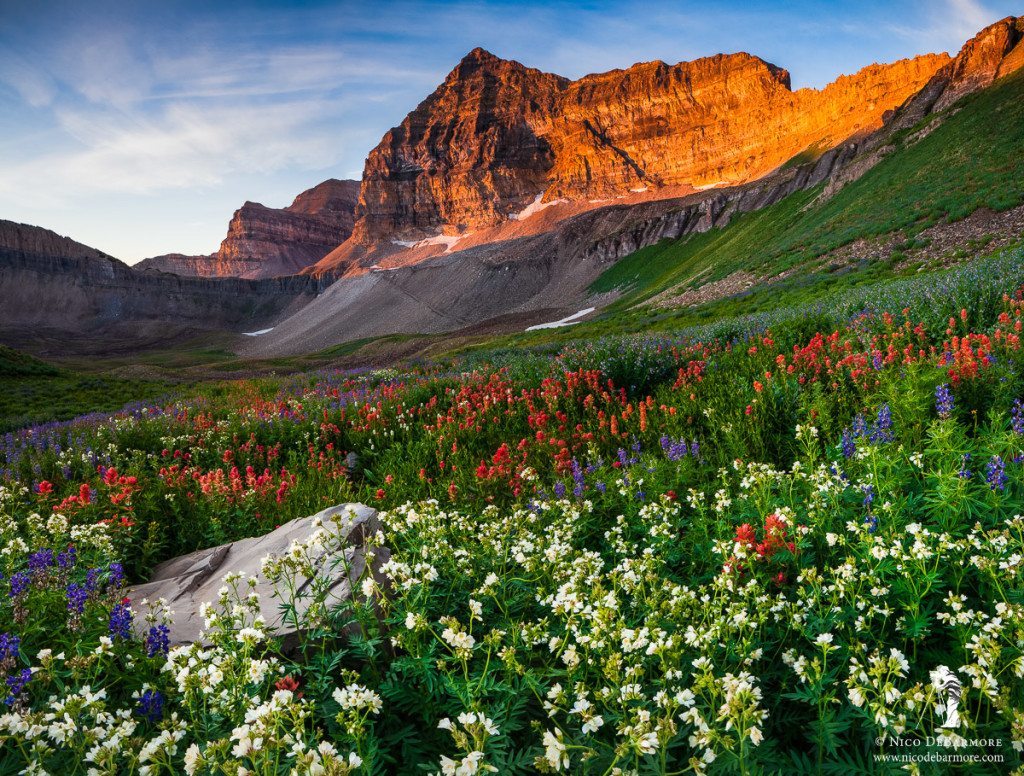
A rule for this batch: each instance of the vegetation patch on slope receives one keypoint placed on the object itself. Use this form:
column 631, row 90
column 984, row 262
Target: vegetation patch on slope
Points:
column 33, row 391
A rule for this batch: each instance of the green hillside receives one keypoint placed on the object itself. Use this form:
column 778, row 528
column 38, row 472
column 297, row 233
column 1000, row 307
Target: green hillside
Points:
column 33, row 391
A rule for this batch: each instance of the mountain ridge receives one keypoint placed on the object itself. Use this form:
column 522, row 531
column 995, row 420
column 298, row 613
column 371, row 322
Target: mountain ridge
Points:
column 267, row 242
column 540, row 262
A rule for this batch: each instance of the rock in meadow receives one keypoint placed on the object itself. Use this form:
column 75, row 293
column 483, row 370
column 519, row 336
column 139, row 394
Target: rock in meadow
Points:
column 189, row 581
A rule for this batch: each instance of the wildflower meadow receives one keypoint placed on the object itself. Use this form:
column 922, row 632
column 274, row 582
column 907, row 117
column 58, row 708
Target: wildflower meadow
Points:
column 791, row 545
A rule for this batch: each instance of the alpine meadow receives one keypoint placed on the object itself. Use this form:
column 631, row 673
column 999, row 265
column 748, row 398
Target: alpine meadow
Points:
column 664, row 420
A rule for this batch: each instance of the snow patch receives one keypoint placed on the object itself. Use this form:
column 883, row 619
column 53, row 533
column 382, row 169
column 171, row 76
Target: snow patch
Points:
column 447, row 240
column 534, row 207
column 639, row 191
column 707, row 186
column 567, row 321
column 258, row 333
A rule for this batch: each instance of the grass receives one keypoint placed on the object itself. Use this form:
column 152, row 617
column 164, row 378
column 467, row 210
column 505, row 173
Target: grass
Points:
column 33, row 391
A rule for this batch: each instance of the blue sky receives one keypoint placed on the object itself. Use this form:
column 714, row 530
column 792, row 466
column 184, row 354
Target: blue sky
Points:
column 138, row 128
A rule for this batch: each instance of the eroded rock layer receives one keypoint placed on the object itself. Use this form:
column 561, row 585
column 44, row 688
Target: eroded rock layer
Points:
column 265, row 242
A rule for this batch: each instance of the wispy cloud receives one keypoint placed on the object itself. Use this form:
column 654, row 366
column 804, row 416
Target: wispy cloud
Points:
column 190, row 107
column 179, row 147
column 966, row 17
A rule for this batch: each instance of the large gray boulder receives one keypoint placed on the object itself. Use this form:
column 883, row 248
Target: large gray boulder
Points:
column 189, row 581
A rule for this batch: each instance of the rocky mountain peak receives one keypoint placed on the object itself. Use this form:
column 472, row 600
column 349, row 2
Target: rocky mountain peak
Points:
column 497, row 139
column 994, row 52
column 331, row 196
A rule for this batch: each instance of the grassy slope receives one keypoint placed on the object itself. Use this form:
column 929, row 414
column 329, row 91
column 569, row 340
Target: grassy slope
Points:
column 32, row 391
column 973, row 159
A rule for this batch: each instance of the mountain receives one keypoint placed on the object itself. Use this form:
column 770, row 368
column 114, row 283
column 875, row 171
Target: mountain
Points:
column 497, row 142
column 493, row 206
column 54, row 288
column 265, row 242
column 911, row 173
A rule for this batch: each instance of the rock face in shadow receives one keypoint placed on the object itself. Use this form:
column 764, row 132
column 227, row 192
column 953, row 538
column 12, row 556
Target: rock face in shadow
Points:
column 343, row 560
column 52, row 282
column 265, row 242
column 497, row 139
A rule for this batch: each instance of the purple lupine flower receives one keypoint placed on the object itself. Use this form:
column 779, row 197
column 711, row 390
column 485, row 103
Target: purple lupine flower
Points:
column 158, row 640
column 576, row 469
column 92, row 579
column 151, row 705
column 848, row 446
column 20, row 583
column 869, row 496
column 578, row 479
column 944, row 400
column 623, row 458
column 68, row 558
column 10, row 645
column 559, row 489
column 881, row 430
column 965, row 473
column 120, row 621
column 116, row 575
column 1017, row 417
column 665, row 442
column 674, row 450
column 995, row 474
column 876, row 362
column 77, row 595
column 41, row 561
column 601, row 487
column 860, row 425
column 694, row 449
column 16, row 683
